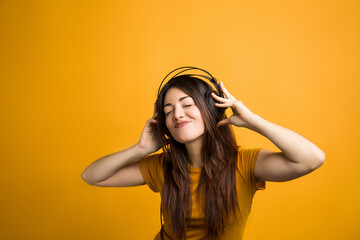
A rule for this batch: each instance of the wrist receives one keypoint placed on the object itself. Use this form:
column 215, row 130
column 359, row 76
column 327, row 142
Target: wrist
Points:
column 255, row 122
column 141, row 152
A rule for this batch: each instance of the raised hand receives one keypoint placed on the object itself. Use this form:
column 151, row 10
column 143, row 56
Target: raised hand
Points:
column 241, row 114
column 149, row 142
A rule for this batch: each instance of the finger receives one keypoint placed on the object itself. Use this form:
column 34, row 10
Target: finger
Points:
column 226, row 92
column 154, row 113
column 228, row 104
column 223, row 122
column 220, row 98
column 153, row 121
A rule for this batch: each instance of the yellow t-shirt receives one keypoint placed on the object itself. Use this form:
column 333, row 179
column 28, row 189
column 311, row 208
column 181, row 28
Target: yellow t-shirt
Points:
column 246, row 186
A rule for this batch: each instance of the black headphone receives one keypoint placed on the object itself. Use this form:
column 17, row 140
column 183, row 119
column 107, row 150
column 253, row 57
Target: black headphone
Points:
column 209, row 98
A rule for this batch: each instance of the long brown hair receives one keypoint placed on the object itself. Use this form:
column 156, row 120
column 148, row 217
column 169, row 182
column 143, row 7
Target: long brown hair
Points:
column 219, row 152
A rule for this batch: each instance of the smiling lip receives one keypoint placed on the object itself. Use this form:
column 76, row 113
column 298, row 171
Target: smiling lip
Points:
column 179, row 125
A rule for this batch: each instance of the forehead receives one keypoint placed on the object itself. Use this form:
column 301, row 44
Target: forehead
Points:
column 173, row 94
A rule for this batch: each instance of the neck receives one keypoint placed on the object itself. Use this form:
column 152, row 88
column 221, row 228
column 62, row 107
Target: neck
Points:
column 194, row 152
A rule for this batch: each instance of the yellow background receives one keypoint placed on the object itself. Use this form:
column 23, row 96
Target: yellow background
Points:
column 79, row 79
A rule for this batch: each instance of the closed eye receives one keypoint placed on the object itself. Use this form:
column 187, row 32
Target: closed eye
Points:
column 171, row 111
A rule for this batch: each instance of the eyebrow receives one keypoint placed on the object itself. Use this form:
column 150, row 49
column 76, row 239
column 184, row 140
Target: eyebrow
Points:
column 180, row 99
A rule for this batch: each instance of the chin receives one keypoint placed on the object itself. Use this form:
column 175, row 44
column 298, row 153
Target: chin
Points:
column 187, row 139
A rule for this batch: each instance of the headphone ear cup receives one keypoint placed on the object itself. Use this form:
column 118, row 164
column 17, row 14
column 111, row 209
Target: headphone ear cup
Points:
column 219, row 111
column 221, row 94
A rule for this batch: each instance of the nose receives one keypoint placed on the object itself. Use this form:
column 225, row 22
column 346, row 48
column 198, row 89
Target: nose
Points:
column 178, row 113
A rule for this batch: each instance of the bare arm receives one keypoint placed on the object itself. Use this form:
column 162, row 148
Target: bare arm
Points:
column 119, row 169
column 107, row 166
column 299, row 156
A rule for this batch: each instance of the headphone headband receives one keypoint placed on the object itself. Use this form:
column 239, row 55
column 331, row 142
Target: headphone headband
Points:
column 187, row 68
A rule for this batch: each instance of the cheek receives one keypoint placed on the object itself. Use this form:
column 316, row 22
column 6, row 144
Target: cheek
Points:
column 199, row 116
column 199, row 121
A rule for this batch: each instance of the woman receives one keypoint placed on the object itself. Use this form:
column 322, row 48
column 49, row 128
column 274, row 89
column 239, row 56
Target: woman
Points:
column 206, row 181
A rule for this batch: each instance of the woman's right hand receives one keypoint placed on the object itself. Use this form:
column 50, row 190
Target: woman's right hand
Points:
column 149, row 142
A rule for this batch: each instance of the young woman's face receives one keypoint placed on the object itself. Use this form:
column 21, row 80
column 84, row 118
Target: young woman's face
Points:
column 183, row 117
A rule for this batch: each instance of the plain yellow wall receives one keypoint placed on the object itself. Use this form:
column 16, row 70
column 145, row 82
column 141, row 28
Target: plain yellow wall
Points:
column 79, row 79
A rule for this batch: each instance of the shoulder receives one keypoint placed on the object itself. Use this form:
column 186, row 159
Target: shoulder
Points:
column 152, row 161
column 151, row 168
column 247, row 158
column 248, row 154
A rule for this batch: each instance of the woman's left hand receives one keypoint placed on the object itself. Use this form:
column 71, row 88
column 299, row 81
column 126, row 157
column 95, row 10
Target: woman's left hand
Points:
column 242, row 116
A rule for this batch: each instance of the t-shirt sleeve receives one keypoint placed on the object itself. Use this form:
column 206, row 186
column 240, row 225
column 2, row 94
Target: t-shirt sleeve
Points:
column 247, row 161
column 152, row 171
